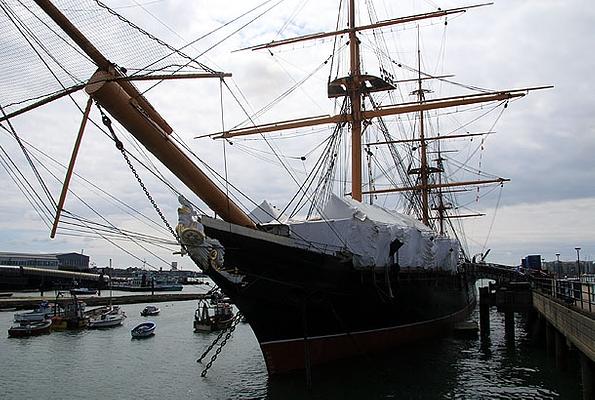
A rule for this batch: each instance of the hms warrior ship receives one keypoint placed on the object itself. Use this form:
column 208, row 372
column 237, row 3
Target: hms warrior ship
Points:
column 351, row 278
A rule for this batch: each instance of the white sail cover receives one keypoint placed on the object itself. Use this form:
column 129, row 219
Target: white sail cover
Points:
column 367, row 232
column 266, row 213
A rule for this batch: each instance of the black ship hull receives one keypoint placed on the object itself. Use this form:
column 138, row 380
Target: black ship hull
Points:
column 308, row 308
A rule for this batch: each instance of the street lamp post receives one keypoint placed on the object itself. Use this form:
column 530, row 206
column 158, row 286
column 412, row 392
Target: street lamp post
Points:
column 578, row 262
column 558, row 270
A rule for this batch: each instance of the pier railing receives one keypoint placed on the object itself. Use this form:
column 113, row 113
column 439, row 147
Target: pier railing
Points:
column 572, row 291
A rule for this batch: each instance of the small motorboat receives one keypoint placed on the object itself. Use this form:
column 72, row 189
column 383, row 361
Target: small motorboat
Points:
column 143, row 330
column 210, row 318
column 150, row 310
column 30, row 328
column 108, row 318
column 42, row 312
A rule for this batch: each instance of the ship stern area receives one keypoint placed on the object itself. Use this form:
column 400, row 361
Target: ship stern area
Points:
column 308, row 308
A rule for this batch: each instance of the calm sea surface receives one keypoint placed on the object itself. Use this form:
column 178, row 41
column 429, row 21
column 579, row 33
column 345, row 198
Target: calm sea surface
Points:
column 107, row 364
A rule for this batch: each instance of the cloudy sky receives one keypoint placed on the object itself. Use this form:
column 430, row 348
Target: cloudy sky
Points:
column 544, row 142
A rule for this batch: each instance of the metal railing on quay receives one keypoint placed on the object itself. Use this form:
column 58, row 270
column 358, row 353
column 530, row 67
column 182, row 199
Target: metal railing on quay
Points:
column 572, row 291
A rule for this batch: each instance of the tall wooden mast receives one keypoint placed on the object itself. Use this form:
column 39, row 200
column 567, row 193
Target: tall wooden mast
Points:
column 356, row 85
column 423, row 155
column 355, row 97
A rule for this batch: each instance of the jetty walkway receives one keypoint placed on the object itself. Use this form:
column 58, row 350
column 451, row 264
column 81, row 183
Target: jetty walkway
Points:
column 565, row 309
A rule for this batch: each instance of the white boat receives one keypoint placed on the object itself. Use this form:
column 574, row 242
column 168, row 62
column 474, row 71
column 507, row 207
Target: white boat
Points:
column 108, row 319
column 43, row 311
column 83, row 290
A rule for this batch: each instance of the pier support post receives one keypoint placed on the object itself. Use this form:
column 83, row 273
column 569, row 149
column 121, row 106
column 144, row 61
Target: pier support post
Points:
column 509, row 325
column 550, row 334
column 587, row 377
column 561, row 352
column 484, row 312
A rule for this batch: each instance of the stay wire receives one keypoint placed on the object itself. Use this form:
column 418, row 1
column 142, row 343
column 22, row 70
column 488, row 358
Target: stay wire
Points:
column 220, row 41
column 31, row 164
column 95, row 212
column 31, row 197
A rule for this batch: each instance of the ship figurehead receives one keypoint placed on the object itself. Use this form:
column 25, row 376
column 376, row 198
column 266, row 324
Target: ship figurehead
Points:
column 206, row 252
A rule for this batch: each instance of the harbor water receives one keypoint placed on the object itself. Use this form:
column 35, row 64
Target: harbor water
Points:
column 108, row 364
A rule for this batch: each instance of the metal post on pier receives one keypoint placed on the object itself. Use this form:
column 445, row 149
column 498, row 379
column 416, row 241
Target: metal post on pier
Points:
column 509, row 325
column 484, row 312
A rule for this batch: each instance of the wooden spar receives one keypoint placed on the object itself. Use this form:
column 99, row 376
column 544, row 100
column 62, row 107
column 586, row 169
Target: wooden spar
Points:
column 40, row 103
column 430, row 139
column 354, row 29
column 98, row 58
column 439, row 185
column 355, row 97
column 459, row 216
column 163, row 77
column 381, row 112
column 73, row 89
column 125, row 109
column 75, row 150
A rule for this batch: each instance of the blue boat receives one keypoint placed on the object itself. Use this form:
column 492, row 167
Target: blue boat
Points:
column 144, row 330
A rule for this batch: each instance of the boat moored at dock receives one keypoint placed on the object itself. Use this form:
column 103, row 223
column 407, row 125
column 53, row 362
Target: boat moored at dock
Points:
column 30, row 328
column 44, row 310
column 212, row 317
column 108, row 318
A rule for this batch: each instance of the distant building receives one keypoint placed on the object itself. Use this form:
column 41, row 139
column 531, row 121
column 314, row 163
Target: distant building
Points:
column 63, row 261
column 569, row 268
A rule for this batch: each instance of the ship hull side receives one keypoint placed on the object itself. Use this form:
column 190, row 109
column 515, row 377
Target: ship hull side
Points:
column 307, row 308
column 291, row 355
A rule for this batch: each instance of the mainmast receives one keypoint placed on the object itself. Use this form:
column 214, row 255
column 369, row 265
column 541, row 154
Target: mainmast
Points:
column 356, row 85
column 355, row 97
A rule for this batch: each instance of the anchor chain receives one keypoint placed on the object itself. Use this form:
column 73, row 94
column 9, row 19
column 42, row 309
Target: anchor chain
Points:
column 120, row 146
column 232, row 328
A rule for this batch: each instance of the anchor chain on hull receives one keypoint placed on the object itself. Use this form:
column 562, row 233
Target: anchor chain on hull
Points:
column 228, row 332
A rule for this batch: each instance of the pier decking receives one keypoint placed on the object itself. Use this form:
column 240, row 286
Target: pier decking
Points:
column 566, row 310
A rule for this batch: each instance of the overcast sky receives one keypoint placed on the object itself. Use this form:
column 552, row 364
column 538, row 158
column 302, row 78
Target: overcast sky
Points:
column 544, row 143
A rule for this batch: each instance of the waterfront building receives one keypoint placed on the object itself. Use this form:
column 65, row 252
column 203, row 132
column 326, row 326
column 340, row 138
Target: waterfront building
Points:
column 61, row 261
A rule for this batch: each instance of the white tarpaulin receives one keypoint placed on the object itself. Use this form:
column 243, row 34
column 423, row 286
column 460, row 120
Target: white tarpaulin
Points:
column 367, row 231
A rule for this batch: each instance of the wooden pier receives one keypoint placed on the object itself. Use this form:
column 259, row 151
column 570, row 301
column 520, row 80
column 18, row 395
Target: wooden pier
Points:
column 565, row 312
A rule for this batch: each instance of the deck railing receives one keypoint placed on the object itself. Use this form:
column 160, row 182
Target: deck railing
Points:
column 580, row 294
